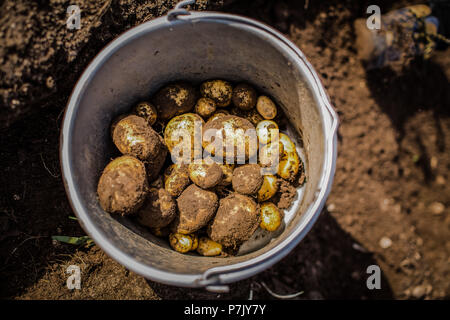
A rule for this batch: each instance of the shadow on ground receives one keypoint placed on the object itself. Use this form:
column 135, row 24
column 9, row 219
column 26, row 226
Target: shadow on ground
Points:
column 327, row 264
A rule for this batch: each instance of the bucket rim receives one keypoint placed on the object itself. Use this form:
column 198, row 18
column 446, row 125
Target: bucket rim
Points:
column 215, row 276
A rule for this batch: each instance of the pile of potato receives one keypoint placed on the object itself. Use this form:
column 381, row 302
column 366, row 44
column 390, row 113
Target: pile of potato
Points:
column 205, row 206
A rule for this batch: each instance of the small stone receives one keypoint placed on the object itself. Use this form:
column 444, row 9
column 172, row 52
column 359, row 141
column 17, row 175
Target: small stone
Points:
column 331, row 207
column 385, row 242
column 440, row 180
column 433, row 162
column 437, row 208
column 16, row 197
column 418, row 292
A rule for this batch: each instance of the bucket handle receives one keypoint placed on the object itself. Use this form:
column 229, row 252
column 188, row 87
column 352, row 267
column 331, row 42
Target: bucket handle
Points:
column 179, row 10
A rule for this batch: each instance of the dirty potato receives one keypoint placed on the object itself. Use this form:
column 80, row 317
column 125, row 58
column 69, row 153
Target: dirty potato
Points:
column 290, row 162
column 247, row 179
column 266, row 107
column 123, row 185
column 196, row 207
column 235, row 221
column 133, row 136
column 158, row 210
column 264, row 131
column 208, row 248
column 237, row 136
column 219, row 113
column 176, row 179
column 218, row 90
column 147, row 111
column 205, row 107
column 227, row 174
column 174, row 99
column 182, row 134
column 271, row 216
column 181, row 242
column 244, row 96
column 268, row 188
column 205, row 174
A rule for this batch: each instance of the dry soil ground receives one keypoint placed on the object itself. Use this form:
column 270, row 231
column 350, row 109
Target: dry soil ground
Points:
column 391, row 180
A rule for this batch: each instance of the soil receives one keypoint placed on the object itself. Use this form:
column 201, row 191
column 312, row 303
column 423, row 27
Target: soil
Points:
column 390, row 198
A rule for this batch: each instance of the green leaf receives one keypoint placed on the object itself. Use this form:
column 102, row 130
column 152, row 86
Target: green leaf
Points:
column 74, row 240
column 73, row 218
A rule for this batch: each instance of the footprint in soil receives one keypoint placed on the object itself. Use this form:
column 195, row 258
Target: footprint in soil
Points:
column 327, row 264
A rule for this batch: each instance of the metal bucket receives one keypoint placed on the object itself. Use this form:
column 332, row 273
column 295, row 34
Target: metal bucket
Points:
column 192, row 46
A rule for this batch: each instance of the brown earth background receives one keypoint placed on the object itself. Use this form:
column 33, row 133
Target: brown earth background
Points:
column 391, row 179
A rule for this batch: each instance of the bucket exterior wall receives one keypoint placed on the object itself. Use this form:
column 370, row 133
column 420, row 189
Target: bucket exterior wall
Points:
column 193, row 47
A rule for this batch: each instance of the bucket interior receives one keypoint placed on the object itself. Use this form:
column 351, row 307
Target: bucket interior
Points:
column 193, row 51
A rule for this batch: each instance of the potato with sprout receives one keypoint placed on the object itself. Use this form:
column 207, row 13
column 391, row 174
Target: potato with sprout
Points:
column 271, row 216
column 244, row 96
column 176, row 179
column 268, row 188
column 247, row 179
column 237, row 137
column 147, row 111
column 208, row 248
column 158, row 210
column 290, row 162
column 174, row 99
column 206, row 174
column 205, row 107
column 266, row 107
column 123, row 186
column 183, row 134
column 196, row 207
column 265, row 131
column 235, row 221
column 218, row 90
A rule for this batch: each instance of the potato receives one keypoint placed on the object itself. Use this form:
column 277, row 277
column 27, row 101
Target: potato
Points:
column 264, row 131
column 219, row 113
column 133, row 136
column 266, row 107
column 160, row 232
column 176, row 179
column 194, row 238
column 122, row 186
column 147, row 111
column 115, row 122
column 158, row 210
column 218, row 90
column 227, row 174
column 174, row 99
column 271, row 217
column 181, row 242
column 254, row 117
column 184, row 133
column 196, row 207
column 208, row 248
column 290, row 162
column 268, row 188
column 244, row 96
column 247, row 179
column 268, row 155
column 232, row 129
column 205, row 107
column 235, row 221
column 205, row 174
